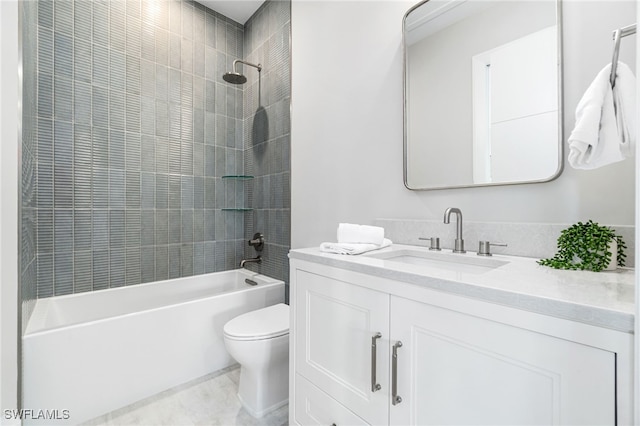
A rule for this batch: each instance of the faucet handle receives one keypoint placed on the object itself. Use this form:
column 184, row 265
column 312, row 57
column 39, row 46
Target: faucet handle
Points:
column 484, row 247
column 434, row 242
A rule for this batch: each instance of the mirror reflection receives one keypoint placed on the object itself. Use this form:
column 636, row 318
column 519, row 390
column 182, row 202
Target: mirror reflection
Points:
column 482, row 91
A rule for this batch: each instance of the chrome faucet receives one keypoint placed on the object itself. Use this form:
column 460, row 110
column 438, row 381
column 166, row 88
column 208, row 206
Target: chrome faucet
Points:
column 459, row 243
column 252, row 260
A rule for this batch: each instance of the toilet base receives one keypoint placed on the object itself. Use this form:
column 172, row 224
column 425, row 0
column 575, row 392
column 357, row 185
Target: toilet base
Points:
column 263, row 412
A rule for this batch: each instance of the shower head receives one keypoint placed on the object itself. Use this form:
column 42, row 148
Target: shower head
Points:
column 234, row 77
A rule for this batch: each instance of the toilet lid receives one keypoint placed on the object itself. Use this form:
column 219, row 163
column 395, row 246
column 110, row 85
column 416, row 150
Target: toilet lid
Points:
column 265, row 323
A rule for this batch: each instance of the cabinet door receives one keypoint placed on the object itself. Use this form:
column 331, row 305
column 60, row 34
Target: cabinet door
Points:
column 314, row 407
column 335, row 322
column 455, row 368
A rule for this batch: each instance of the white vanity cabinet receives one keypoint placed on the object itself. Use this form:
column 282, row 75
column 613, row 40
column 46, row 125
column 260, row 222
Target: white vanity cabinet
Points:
column 459, row 360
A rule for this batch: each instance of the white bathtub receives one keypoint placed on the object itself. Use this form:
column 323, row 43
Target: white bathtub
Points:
column 91, row 353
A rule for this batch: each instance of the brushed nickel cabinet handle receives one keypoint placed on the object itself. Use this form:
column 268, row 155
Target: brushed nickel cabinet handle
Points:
column 395, row 398
column 374, row 385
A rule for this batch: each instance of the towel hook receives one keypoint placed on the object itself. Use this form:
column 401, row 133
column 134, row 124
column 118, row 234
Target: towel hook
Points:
column 617, row 36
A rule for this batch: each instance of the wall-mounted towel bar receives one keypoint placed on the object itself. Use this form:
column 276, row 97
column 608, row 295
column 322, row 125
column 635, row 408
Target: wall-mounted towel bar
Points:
column 617, row 36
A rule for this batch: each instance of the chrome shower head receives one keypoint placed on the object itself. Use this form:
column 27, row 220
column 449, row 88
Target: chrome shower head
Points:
column 234, row 77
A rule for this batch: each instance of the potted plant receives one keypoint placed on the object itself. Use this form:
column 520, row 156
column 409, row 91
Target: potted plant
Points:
column 587, row 246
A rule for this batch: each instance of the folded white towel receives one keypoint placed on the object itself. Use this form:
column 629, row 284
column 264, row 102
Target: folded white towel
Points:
column 360, row 234
column 605, row 121
column 353, row 248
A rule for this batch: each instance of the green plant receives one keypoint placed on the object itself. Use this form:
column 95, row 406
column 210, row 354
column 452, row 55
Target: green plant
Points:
column 584, row 246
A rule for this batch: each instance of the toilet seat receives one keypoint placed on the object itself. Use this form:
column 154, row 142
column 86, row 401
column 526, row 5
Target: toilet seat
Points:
column 266, row 323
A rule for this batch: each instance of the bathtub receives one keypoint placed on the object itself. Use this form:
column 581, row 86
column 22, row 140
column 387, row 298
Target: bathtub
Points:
column 90, row 353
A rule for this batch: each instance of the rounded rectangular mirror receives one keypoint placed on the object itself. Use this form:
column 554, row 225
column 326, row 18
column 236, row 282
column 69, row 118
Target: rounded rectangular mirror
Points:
column 482, row 98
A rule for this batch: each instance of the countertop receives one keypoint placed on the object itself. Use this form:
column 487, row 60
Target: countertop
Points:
column 604, row 299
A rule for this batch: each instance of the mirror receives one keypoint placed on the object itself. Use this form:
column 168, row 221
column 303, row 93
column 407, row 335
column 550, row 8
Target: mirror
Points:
column 482, row 102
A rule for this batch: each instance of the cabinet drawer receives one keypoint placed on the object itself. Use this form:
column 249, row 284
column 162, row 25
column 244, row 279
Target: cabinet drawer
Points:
column 314, row 407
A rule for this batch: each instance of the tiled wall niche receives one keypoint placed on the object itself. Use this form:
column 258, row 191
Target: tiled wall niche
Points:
column 135, row 130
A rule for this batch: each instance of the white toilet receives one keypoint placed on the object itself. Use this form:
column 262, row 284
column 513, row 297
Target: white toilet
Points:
column 259, row 341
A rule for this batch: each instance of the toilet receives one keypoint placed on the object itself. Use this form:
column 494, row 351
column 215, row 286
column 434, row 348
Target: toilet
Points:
column 259, row 341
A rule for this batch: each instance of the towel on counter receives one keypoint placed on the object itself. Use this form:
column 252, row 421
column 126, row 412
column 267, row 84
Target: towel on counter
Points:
column 360, row 234
column 605, row 121
column 352, row 248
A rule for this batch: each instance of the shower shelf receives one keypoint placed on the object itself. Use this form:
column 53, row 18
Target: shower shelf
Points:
column 238, row 177
column 239, row 209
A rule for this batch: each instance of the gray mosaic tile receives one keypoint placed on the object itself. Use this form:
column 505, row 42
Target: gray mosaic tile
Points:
column 162, row 47
column 209, row 256
column 117, row 192
column 100, row 24
column 133, row 228
column 63, row 13
column 100, row 106
column 100, row 269
column 162, row 227
column 45, row 13
column 45, row 275
column 100, row 65
column 82, row 59
column 63, row 99
column 133, row 74
column 133, row 42
column 62, row 273
column 175, row 261
column 117, row 230
column 44, row 231
column 45, row 95
column 117, row 70
column 162, row 263
column 117, row 27
column 186, row 260
column 148, row 190
column 132, row 113
column 148, row 42
column 175, row 226
column 82, row 230
column 174, row 51
column 147, row 264
column 187, row 226
column 162, row 119
column 149, row 115
column 117, row 275
column 132, row 266
column 162, row 191
column 82, row 271
column 198, row 259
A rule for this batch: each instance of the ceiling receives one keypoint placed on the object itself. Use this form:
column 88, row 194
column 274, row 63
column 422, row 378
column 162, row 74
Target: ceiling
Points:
column 238, row 10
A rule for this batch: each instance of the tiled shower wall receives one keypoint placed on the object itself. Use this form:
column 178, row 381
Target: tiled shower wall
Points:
column 135, row 129
column 28, row 264
column 266, row 135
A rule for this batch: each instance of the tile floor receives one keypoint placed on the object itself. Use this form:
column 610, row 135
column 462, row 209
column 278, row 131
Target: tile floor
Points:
column 210, row 400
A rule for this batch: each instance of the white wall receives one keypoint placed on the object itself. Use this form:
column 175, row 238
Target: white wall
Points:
column 346, row 133
column 9, row 211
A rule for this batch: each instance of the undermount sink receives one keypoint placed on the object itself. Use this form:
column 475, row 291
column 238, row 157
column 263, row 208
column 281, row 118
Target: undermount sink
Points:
column 468, row 262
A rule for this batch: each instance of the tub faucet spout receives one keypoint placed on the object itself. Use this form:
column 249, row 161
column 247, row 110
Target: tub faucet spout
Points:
column 459, row 242
column 252, row 260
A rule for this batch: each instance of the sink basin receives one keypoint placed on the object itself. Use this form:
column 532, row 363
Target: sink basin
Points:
column 469, row 262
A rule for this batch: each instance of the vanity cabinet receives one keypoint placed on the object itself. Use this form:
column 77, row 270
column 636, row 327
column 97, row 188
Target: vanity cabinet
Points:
column 457, row 360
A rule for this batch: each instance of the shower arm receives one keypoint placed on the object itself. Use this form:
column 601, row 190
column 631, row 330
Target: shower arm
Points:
column 259, row 67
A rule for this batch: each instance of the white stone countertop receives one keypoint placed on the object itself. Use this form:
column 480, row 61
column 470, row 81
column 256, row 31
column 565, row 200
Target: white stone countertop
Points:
column 604, row 299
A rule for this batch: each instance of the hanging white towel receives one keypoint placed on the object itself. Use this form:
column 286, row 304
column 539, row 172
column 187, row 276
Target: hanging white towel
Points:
column 605, row 121
column 352, row 249
column 360, row 234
